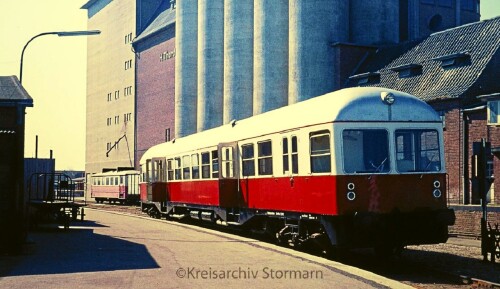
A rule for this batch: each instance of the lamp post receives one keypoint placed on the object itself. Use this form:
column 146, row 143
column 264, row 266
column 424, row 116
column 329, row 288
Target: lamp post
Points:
column 58, row 33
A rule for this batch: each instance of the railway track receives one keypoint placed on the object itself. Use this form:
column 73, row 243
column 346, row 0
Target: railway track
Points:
column 429, row 266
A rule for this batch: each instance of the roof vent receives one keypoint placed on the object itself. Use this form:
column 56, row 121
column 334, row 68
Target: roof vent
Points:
column 408, row 70
column 365, row 78
column 454, row 60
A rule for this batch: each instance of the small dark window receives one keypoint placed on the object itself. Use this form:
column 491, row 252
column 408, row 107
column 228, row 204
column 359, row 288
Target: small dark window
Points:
column 436, row 23
column 295, row 156
column 286, row 163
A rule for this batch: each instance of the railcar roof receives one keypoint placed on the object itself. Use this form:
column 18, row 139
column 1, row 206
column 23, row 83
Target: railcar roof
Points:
column 360, row 104
column 116, row 173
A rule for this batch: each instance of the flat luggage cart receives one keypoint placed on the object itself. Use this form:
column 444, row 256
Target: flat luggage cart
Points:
column 52, row 200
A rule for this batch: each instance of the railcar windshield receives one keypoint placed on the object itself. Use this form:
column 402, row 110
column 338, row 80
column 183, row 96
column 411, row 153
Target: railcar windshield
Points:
column 417, row 150
column 365, row 151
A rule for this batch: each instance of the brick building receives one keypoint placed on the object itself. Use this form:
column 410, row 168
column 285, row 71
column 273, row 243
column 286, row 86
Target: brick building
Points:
column 455, row 71
column 155, row 80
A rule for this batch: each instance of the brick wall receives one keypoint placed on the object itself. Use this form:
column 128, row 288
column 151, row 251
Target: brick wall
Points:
column 155, row 90
column 468, row 219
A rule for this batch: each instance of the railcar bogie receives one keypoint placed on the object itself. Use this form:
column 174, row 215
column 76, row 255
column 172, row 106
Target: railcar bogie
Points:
column 355, row 170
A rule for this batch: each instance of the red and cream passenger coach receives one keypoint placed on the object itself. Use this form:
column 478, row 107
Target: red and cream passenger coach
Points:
column 359, row 167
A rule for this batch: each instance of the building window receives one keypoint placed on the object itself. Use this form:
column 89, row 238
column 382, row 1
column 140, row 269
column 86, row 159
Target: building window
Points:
column 173, row 4
column 108, row 121
column 471, row 5
column 128, row 38
column 110, row 96
column 117, row 94
column 117, row 119
column 493, row 112
column 167, row 134
column 454, row 60
column 445, row 3
column 127, row 117
column 127, row 91
column 265, row 158
column 128, row 64
column 167, row 55
column 408, row 70
column 248, row 157
column 365, row 78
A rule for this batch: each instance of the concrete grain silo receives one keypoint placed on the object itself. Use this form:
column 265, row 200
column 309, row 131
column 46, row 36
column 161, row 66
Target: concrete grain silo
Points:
column 186, row 39
column 314, row 26
column 238, row 59
column 374, row 21
column 270, row 89
column 210, row 63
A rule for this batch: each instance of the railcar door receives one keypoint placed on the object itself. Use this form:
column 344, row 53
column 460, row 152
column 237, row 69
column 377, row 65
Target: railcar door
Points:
column 229, row 192
column 157, row 178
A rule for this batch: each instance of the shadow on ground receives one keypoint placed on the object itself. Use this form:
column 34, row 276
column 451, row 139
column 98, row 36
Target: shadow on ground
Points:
column 56, row 251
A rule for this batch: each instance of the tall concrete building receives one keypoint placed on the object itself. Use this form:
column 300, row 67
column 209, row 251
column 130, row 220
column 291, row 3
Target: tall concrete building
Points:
column 279, row 52
column 110, row 85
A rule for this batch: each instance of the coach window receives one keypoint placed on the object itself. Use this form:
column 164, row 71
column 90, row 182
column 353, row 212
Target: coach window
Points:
column 417, row 151
column 177, row 168
column 248, row 157
column 205, row 165
column 215, row 164
column 186, row 167
column 365, row 150
column 265, row 158
column 170, row 169
column 195, row 163
column 320, row 152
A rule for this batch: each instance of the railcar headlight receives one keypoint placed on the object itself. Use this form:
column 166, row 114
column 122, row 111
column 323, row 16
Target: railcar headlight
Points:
column 436, row 193
column 437, row 184
column 350, row 186
column 351, row 196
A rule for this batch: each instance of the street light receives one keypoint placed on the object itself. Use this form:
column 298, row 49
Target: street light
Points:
column 58, row 33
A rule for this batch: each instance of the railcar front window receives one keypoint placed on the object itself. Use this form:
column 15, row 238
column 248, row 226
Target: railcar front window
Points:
column 320, row 152
column 417, row 151
column 365, row 151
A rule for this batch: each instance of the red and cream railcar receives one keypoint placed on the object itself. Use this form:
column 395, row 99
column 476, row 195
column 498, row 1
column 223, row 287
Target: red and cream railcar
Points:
column 360, row 167
column 115, row 186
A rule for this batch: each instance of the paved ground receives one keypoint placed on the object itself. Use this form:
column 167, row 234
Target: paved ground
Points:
column 117, row 251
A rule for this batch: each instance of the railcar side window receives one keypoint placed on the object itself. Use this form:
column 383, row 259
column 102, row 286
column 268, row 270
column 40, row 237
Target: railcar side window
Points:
column 265, row 158
column 417, row 151
column 195, row 162
column 320, row 152
column 365, row 150
column 215, row 164
column 170, row 169
column 205, row 165
column 177, row 168
column 295, row 156
column 286, row 164
column 248, row 157
column 186, row 167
